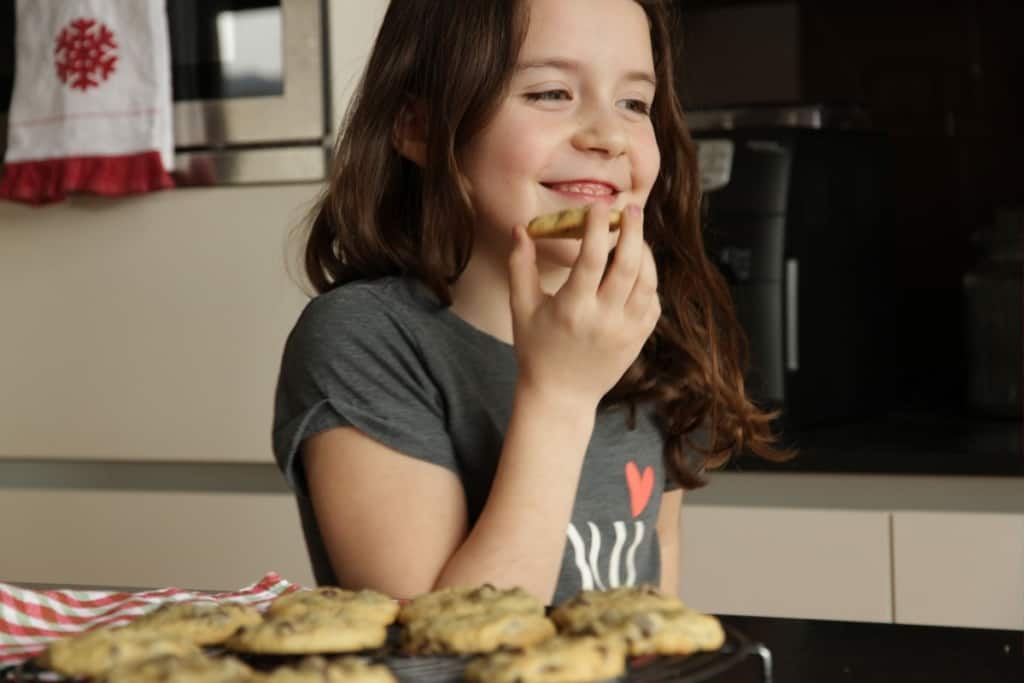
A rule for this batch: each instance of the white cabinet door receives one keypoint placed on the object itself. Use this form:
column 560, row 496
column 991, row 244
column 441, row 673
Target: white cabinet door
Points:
column 778, row 562
column 959, row 569
column 208, row 541
column 153, row 330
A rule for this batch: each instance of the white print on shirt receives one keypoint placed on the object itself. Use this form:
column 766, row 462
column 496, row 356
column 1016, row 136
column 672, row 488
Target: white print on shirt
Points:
column 640, row 487
column 590, row 571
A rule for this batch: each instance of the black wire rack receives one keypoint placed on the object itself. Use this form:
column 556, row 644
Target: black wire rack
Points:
column 739, row 660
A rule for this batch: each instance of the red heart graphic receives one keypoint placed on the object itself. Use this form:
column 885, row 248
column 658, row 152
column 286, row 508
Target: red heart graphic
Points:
column 640, row 487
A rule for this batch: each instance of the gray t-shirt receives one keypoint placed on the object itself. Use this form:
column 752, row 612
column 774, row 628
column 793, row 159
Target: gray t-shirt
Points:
column 384, row 357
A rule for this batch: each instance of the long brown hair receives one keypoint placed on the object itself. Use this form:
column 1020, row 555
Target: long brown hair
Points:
column 380, row 214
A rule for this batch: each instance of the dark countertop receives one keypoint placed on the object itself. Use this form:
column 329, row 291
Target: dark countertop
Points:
column 905, row 443
column 809, row 651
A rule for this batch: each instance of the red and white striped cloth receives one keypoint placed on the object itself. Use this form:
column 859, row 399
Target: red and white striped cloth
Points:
column 30, row 619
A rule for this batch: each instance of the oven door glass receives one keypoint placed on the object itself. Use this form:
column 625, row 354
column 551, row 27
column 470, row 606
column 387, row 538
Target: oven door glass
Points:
column 246, row 71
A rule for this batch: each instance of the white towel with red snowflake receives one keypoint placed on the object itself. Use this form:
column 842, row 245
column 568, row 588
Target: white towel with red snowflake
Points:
column 91, row 108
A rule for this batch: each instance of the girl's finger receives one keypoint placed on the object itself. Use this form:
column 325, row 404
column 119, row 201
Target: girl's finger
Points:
column 622, row 274
column 588, row 270
column 645, row 289
column 525, row 293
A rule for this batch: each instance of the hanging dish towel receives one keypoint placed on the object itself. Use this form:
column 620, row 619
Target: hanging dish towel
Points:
column 91, row 108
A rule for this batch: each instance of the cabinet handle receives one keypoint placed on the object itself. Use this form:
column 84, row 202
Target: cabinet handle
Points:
column 792, row 315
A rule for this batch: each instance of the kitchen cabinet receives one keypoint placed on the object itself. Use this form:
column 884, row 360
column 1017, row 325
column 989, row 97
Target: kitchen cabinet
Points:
column 963, row 569
column 928, row 551
column 808, row 564
column 147, row 539
column 936, row 551
column 148, row 328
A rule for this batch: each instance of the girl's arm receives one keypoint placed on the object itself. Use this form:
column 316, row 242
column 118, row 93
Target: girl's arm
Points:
column 388, row 522
column 520, row 536
column 399, row 525
column 669, row 540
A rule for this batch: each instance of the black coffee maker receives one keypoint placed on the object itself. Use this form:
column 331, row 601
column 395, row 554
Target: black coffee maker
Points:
column 794, row 218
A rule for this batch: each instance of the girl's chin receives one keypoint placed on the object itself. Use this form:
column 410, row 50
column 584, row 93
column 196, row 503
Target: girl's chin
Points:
column 557, row 253
column 563, row 253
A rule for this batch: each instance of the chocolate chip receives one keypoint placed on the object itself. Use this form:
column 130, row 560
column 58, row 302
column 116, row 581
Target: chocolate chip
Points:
column 645, row 623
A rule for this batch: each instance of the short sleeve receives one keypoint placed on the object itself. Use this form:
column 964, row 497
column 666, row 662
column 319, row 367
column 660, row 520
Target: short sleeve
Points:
column 349, row 361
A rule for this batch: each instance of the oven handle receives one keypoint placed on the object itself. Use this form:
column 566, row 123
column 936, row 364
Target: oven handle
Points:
column 792, row 315
column 270, row 165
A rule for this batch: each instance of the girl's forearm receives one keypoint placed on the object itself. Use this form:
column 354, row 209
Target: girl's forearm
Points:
column 519, row 538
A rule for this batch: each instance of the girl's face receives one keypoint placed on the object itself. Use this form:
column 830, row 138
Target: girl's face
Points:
column 572, row 128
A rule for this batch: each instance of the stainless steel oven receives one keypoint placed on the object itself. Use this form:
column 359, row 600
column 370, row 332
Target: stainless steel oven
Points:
column 249, row 89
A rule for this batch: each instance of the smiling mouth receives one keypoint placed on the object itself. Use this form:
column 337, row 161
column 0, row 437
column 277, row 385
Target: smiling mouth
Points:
column 586, row 191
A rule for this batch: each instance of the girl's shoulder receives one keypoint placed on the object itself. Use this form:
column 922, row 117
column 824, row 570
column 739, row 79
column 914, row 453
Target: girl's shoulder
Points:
column 368, row 311
column 387, row 298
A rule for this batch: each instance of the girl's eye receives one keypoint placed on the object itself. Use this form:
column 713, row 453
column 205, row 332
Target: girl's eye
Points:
column 548, row 96
column 639, row 106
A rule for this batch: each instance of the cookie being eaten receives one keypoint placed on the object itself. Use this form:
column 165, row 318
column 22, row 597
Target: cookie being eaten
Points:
column 568, row 223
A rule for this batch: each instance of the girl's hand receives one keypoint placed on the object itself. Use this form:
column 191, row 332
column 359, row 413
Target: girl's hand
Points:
column 576, row 344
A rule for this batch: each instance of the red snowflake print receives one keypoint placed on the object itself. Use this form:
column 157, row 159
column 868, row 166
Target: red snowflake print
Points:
column 84, row 55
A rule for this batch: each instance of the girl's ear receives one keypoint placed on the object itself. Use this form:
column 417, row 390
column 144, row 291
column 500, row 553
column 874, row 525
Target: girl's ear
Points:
column 410, row 132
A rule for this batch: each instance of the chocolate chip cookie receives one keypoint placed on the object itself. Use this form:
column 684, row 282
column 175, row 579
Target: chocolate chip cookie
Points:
column 197, row 668
column 204, row 623
column 457, row 602
column 560, row 659
column 319, row 670
column 364, row 604
column 470, row 633
column 95, row 652
column 308, row 633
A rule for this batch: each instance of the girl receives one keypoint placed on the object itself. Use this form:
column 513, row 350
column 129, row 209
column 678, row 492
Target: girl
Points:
column 462, row 405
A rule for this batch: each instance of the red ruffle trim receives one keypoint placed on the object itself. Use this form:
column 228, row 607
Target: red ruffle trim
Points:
column 51, row 180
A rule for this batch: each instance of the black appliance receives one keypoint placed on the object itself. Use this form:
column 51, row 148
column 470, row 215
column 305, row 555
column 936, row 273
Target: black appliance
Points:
column 794, row 215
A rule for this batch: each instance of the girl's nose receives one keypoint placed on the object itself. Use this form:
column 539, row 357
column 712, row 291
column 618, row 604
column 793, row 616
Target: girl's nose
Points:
column 601, row 132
